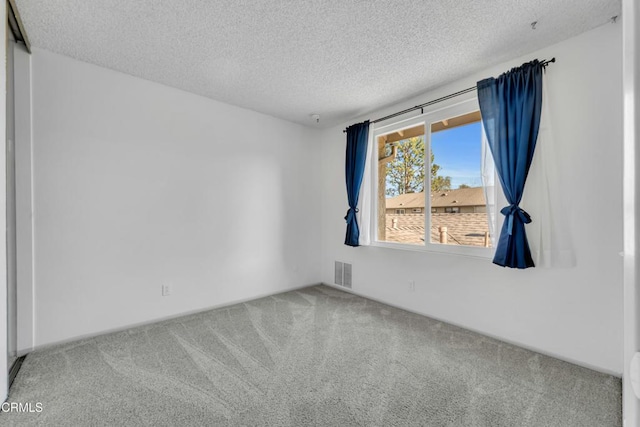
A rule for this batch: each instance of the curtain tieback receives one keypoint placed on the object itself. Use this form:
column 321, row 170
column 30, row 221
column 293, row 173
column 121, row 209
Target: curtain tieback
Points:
column 351, row 213
column 510, row 212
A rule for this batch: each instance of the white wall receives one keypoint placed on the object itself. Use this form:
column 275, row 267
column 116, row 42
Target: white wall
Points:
column 137, row 184
column 24, row 191
column 574, row 314
column 3, row 200
column 631, row 71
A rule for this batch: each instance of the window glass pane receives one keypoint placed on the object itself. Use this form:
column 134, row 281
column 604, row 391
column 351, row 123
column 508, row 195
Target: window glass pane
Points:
column 458, row 205
column 401, row 180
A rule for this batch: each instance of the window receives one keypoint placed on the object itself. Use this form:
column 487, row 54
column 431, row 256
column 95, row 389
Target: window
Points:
column 400, row 211
column 432, row 164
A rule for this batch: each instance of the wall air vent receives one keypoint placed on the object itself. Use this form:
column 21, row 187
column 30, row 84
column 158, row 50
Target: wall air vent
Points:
column 346, row 276
column 343, row 274
column 338, row 273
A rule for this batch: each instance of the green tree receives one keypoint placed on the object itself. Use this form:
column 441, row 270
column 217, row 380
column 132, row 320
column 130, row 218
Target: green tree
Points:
column 438, row 182
column 406, row 173
column 463, row 186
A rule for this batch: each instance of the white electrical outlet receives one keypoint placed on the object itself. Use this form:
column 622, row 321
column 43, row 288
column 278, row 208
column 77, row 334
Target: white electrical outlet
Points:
column 166, row 290
column 412, row 285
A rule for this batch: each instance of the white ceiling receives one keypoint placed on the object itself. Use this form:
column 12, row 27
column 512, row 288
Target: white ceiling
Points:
column 291, row 58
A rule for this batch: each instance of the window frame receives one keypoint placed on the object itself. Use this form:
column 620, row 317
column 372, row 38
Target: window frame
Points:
column 467, row 105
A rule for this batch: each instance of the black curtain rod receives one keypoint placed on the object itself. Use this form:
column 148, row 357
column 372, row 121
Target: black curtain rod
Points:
column 544, row 63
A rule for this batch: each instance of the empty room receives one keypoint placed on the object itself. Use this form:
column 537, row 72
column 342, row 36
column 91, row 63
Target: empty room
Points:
column 320, row 213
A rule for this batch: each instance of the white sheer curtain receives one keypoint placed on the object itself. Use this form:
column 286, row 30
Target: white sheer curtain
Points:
column 544, row 196
column 489, row 184
column 366, row 193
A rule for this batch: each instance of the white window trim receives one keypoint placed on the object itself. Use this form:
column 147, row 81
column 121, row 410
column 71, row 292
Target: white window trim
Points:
column 467, row 104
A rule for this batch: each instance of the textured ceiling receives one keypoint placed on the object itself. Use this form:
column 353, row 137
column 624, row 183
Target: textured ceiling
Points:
column 291, row 58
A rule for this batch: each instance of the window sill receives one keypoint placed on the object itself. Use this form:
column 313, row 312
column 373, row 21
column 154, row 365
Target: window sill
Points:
column 456, row 250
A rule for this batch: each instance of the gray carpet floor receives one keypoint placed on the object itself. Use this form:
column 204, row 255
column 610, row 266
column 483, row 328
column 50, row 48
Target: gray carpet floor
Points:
column 316, row 356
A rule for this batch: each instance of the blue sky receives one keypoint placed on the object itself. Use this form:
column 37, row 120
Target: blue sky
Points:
column 458, row 151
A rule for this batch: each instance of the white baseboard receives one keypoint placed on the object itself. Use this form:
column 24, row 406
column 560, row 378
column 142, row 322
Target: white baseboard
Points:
column 163, row 318
column 505, row 340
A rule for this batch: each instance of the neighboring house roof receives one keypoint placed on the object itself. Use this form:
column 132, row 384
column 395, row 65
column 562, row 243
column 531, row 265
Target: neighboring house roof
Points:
column 462, row 228
column 461, row 197
column 406, row 201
